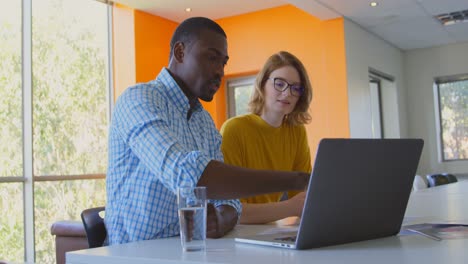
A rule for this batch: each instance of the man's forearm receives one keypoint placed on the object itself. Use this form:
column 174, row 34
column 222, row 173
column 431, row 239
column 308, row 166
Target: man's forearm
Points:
column 231, row 182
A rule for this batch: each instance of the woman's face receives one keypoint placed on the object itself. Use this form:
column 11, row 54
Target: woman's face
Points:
column 282, row 102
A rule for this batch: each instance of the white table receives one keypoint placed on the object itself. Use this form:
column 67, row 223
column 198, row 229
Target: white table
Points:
column 448, row 202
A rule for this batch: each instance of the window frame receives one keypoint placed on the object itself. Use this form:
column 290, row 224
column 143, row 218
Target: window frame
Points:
column 438, row 113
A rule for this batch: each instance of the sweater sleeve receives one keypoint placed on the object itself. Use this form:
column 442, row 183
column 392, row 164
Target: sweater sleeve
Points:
column 232, row 143
column 302, row 161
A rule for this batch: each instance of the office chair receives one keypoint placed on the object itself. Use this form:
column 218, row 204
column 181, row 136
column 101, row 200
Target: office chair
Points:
column 94, row 226
column 419, row 183
column 440, row 179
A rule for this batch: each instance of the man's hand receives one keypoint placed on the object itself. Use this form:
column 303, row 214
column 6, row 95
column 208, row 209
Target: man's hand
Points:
column 220, row 220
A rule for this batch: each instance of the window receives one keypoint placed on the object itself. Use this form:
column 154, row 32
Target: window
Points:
column 452, row 95
column 239, row 92
column 10, row 90
column 383, row 120
column 54, row 100
column 11, row 144
column 375, row 107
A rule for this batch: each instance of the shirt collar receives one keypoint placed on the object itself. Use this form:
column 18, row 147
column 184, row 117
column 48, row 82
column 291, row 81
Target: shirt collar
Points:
column 174, row 93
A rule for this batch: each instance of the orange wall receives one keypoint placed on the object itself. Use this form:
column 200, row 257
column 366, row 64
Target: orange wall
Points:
column 141, row 46
column 152, row 37
column 331, row 104
column 253, row 37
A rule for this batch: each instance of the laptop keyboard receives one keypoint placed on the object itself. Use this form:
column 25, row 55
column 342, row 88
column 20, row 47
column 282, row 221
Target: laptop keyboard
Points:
column 287, row 238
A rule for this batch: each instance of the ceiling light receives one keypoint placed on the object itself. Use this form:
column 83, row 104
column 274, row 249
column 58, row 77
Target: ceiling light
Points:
column 188, row 9
column 374, row 4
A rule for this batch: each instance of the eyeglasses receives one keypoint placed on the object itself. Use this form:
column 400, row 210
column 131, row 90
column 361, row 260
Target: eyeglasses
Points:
column 281, row 85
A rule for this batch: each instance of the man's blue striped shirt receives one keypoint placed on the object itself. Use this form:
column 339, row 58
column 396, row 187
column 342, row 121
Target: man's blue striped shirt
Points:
column 153, row 149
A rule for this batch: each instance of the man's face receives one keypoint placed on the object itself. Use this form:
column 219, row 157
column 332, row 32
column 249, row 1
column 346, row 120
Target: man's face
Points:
column 203, row 65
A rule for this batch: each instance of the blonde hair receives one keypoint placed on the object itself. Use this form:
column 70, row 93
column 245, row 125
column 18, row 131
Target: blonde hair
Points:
column 300, row 114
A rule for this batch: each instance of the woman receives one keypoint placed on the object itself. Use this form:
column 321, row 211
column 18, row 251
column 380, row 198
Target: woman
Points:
column 273, row 136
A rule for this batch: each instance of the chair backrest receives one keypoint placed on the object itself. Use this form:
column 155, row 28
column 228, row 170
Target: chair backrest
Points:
column 94, row 226
column 419, row 183
column 440, row 179
column 452, row 178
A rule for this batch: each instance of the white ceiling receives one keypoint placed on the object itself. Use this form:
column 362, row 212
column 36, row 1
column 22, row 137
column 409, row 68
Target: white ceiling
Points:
column 406, row 24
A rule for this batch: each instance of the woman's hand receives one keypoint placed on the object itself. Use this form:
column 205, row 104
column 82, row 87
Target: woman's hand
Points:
column 295, row 205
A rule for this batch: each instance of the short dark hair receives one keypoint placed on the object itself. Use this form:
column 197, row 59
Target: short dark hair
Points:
column 191, row 28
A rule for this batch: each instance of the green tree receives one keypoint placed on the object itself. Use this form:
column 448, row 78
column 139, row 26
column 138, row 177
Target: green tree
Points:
column 454, row 119
column 10, row 93
column 69, row 118
column 11, row 203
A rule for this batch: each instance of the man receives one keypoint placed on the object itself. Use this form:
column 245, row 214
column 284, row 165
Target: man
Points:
column 162, row 138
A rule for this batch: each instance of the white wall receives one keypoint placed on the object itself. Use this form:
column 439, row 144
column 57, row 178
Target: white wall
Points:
column 409, row 105
column 364, row 50
column 421, row 66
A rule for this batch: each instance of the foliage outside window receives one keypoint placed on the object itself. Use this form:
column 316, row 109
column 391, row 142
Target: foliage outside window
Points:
column 11, row 161
column 70, row 109
column 10, row 89
column 453, row 115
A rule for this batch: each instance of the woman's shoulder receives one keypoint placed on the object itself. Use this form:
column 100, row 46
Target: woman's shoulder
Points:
column 294, row 130
column 300, row 127
column 239, row 121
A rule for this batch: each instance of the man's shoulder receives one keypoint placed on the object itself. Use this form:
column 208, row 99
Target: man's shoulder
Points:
column 141, row 91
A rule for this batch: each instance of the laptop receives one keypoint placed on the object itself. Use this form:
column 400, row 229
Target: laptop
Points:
column 358, row 190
